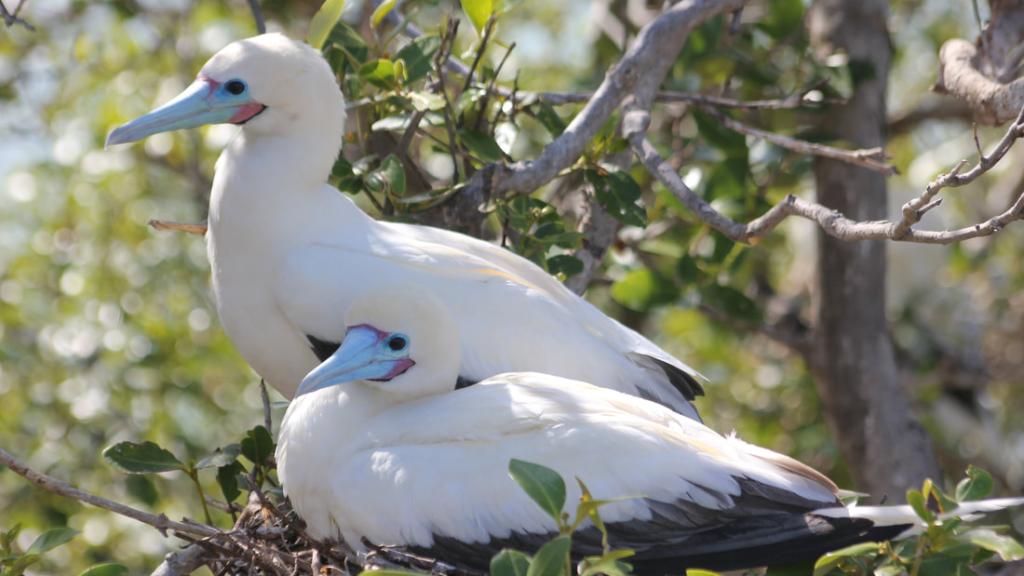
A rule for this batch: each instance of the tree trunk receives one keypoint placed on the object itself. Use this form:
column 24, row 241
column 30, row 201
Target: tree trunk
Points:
column 867, row 406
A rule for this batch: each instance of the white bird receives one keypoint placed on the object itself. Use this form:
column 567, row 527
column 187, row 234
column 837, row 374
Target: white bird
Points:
column 380, row 445
column 289, row 252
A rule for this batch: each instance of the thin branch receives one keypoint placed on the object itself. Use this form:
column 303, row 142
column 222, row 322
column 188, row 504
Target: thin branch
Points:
column 182, row 562
column 788, row 103
column 11, row 19
column 488, row 29
column 268, row 421
column 915, row 209
column 257, row 15
column 993, row 102
column 61, row 488
column 197, row 229
column 831, row 221
column 870, row 158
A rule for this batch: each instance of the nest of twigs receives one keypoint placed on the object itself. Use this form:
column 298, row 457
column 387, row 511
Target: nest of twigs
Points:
column 270, row 538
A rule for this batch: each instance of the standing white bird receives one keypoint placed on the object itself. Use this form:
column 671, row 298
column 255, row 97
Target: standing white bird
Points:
column 379, row 445
column 289, row 252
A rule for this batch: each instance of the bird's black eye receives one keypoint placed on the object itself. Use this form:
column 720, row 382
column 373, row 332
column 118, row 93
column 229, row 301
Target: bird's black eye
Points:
column 235, row 87
column 397, row 343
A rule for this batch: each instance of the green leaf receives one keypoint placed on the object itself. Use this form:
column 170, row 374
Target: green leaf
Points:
column 382, row 12
column 51, row 539
column 550, row 119
column 730, row 301
column 732, row 144
column 220, row 457
column 565, row 264
column 545, row 486
column 609, row 564
column 1006, row 547
column 510, row 563
column 323, row 21
column 108, row 569
column 831, row 560
column 976, row 486
column 389, row 178
column 379, row 72
column 552, row 558
column 227, row 479
column 17, row 568
column 482, row 146
column 418, row 56
column 916, row 501
column 478, row 11
column 699, row 572
column 348, row 41
column 619, row 194
column 801, row 569
column 141, row 458
column 642, row 289
column 257, row 445
column 783, row 18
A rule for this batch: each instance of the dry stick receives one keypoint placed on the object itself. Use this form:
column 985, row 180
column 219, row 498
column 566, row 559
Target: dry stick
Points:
column 788, row 103
column 488, row 29
column 831, row 221
column 61, row 488
column 870, row 158
column 915, row 209
column 257, row 15
column 12, row 19
column 198, row 229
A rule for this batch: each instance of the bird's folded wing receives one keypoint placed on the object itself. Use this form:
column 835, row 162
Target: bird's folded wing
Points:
column 441, row 466
column 511, row 297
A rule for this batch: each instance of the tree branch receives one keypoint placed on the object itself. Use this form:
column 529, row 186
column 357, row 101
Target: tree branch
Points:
column 870, row 158
column 11, row 19
column 993, row 102
column 257, row 15
column 61, row 488
column 831, row 221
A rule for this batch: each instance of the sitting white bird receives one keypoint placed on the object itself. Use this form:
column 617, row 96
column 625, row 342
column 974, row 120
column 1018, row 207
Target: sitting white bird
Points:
column 380, row 445
column 289, row 252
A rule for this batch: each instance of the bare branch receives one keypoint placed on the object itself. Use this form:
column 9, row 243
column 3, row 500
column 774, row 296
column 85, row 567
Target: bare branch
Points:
column 61, row 488
column 257, row 15
column 993, row 102
column 197, row 229
column 915, row 209
column 11, row 19
column 870, row 158
column 644, row 65
column 183, row 562
column 831, row 221
column 788, row 103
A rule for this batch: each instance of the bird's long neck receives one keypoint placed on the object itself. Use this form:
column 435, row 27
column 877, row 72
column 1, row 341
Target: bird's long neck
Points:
column 274, row 183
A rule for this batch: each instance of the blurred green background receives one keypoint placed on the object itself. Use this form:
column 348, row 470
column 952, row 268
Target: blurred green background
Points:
column 108, row 332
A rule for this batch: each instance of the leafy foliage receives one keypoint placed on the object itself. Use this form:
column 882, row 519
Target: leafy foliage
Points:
column 107, row 331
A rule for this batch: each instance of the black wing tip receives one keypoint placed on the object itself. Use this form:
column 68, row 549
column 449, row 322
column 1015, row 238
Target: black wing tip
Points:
column 323, row 349
column 683, row 381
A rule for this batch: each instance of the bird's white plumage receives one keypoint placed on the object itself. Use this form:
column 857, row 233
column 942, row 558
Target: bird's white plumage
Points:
column 407, row 460
column 438, row 466
column 410, row 460
column 289, row 253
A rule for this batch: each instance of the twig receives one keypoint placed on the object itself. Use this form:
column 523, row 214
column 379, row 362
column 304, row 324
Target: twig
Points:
column 257, row 15
column 182, row 562
column 198, row 229
column 488, row 29
column 831, row 221
column 788, row 103
column 10, row 19
column 61, row 488
column 870, row 158
column 915, row 209
column 265, row 397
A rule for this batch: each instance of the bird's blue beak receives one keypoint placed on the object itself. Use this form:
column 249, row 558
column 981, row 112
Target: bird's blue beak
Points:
column 361, row 356
column 205, row 101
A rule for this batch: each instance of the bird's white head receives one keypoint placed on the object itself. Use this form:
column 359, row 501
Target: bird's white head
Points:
column 402, row 342
column 274, row 86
